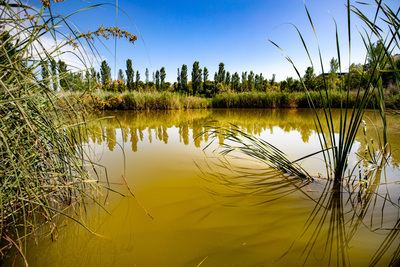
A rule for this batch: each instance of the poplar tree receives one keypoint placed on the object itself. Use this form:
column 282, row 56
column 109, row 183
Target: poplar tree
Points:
column 129, row 75
column 272, row 81
column 121, row 75
column 105, row 72
column 244, row 81
column 310, row 79
column 235, row 81
column 179, row 80
column 205, row 74
column 228, row 78
column 158, row 80
column 162, row 78
column 137, row 80
column 221, row 72
column 196, row 77
column 184, row 78
column 147, row 75
column 250, row 81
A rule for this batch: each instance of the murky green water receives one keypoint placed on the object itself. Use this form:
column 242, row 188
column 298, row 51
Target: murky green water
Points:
column 211, row 211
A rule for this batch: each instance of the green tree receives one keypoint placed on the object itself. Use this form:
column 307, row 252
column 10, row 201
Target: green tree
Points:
column 162, row 79
column 121, row 75
column 105, row 72
column 184, row 79
column 244, row 81
column 333, row 74
column 129, row 75
column 196, row 78
column 146, row 76
column 250, row 81
column 157, row 80
column 178, row 79
column 259, row 82
column 288, row 85
column 353, row 79
column 235, row 82
column 310, row 79
column 228, row 78
column 272, row 80
column 137, row 80
column 221, row 73
column 205, row 74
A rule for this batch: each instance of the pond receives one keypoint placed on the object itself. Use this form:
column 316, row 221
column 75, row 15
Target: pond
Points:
column 207, row 210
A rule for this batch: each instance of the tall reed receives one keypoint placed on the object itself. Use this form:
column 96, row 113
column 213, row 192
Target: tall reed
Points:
column 44, row 164
column 337, row 140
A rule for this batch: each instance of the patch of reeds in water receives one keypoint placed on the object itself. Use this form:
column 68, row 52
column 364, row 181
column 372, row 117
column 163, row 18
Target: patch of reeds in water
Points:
column 44, row 165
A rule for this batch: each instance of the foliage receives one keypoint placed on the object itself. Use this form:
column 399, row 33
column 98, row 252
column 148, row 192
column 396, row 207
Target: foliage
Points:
column 105, row 72
column 196, row 78
column 184, row 79
column 129, row 75
column 162, row 79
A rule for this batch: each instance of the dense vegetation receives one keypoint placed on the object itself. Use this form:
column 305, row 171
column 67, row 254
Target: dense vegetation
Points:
column 226, row 90
column 223, row 81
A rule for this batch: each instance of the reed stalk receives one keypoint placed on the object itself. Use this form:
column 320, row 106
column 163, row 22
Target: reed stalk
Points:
column 337, row 140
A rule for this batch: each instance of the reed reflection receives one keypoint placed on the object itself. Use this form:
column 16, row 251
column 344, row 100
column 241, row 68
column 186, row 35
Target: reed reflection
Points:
column 344, row 212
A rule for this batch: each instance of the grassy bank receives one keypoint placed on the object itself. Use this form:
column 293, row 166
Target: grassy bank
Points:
column 101, row 100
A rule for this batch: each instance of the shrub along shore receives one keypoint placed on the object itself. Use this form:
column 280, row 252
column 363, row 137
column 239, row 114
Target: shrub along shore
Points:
column 101, row 100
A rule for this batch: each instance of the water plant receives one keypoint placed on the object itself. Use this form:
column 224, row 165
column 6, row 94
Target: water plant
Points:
column 44, row 163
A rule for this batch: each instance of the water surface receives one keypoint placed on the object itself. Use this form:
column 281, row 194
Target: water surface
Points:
column 225, row 212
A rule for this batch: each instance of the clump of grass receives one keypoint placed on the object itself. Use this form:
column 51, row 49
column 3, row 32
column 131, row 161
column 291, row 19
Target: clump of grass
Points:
column 44, row 164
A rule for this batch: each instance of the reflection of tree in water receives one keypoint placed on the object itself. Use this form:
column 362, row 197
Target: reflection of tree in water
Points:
column 111, row 138
column 150, row 135
column 184, row 133
column 252, row 121
column 164, row 134
column 341, row 211
column 134, row 139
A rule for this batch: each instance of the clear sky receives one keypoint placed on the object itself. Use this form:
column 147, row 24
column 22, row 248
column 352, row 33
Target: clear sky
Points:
column 235, row 32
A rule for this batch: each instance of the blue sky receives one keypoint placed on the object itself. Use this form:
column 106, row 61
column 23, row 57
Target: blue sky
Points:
column 235, row 32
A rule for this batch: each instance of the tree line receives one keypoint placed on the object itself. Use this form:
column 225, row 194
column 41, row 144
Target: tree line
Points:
column 198, row 82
